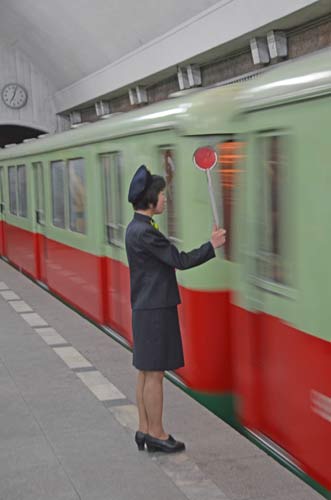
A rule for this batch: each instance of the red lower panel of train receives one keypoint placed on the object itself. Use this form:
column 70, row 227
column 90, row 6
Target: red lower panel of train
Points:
column 282, row 377
column 3, row 250
column 40, row 244
column 117, row 297
column 20, row 248
column 76, row 277
column 206, row 341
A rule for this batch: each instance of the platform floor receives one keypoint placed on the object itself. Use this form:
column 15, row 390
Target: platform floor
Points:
column 68, row 418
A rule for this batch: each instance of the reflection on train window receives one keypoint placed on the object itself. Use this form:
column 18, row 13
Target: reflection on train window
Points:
column 169, row 170
column 112, row 174
column 22, row 190
column 77, row 195
column 12, row 180
column 58, row 187
column 272, row 195
column 17, row 190
column 230, row 155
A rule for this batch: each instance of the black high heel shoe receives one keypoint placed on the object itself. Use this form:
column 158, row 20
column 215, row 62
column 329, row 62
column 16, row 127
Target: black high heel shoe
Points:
column 169, row 445
column 140, row 439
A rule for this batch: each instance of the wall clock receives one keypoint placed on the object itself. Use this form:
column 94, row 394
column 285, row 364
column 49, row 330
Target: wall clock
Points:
column 14, row 95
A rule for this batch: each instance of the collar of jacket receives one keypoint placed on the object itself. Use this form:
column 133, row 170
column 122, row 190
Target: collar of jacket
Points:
column 146, row 218
column 142, row 217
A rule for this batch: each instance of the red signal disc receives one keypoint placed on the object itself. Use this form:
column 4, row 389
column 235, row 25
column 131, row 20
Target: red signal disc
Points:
column 205, row 158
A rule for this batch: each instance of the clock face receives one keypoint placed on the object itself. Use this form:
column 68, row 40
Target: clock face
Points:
column 14, row 95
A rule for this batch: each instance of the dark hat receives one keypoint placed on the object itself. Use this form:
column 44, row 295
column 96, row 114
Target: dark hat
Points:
column 140, row 182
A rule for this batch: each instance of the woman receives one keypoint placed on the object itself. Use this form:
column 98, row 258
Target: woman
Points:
column 154, row 299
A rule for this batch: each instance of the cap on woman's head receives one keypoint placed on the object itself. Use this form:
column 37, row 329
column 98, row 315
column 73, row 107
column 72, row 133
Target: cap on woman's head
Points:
column 140, row 182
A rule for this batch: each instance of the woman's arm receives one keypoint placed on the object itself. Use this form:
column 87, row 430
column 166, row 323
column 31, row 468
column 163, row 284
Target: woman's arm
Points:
column 160, row 247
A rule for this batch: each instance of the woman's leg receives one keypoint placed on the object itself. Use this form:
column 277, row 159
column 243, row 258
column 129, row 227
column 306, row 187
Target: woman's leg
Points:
column 153, row 403
column 143, row 420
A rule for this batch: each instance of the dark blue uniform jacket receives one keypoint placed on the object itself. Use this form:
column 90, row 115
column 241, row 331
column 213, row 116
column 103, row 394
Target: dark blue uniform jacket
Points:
column 153, row 260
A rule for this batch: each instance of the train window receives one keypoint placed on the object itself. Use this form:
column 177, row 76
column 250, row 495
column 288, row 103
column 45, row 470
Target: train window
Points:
column 22, row 190
column 12, row 180
column 38, row 174
column 77, row 195
column 58, row 193
column 272, row 194
column 230, row 154
column 112, row 174
column 169, row 169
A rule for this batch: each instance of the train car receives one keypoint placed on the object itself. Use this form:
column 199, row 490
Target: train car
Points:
column 65, row 210
column 281, row 308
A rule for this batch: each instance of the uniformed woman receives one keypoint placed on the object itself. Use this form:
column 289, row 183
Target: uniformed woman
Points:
column 157, row 344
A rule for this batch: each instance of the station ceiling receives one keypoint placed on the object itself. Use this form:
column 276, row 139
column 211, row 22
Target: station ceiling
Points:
column 68, row 40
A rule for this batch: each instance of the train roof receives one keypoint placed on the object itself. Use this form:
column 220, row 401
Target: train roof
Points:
column 305, row 78
column 198, row 113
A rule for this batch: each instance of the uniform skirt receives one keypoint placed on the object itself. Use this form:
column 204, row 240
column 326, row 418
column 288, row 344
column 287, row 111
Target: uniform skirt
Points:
column 157, row 343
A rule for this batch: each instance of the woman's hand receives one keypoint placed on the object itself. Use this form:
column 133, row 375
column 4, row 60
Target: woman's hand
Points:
column 217, row 237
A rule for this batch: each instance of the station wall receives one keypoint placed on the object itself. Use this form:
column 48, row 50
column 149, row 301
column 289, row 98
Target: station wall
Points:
column 39, row 110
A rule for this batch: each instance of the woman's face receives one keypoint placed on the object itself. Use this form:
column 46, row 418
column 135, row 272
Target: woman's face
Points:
column 161, row 202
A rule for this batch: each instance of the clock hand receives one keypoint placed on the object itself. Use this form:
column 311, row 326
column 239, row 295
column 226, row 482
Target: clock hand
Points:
column 13, row 95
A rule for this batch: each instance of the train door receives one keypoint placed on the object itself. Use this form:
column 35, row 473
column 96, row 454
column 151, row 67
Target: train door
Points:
column 270, row 293
column 2, row 215
column 39, row 220
column 117, row 283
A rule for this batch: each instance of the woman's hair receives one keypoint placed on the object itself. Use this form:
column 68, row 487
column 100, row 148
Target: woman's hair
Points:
column 150, row 196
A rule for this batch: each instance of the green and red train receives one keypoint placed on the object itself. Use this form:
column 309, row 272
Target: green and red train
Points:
column 255, row 321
